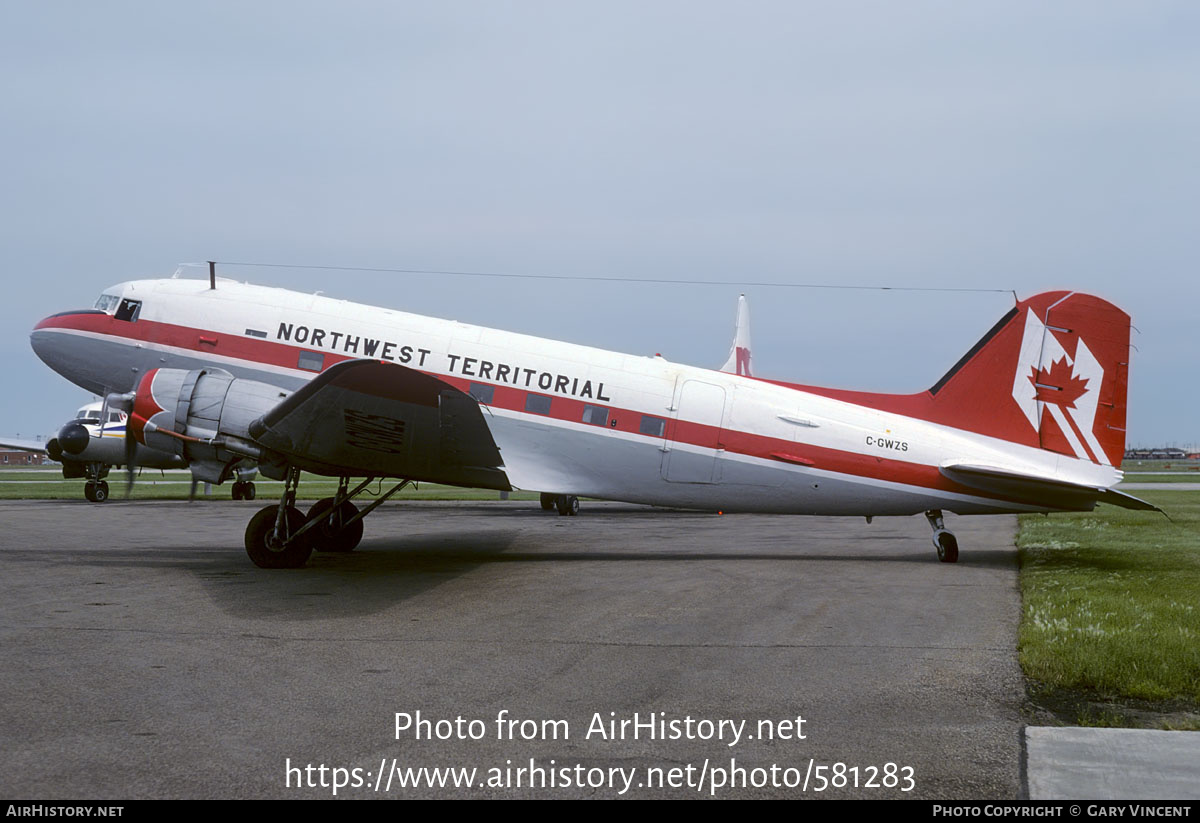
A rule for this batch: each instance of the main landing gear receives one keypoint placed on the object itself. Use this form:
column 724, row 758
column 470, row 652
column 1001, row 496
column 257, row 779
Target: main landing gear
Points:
column 565, row 504
column 945, row 542
column 243, row 490
column 280, row 537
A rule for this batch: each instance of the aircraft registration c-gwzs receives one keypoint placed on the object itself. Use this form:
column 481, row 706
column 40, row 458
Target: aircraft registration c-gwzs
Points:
column 231, row 376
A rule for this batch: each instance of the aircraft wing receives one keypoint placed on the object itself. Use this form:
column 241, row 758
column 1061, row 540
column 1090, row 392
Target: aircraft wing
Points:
column 366, row 417
column 1038, row 490
column 21, row 445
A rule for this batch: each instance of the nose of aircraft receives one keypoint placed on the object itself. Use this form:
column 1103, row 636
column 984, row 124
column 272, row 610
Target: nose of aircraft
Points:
column 68, row 343
column 73, row 438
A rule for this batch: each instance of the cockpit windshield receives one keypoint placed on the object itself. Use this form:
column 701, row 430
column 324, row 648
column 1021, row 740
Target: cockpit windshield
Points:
column 88, row 414
column 108, row 303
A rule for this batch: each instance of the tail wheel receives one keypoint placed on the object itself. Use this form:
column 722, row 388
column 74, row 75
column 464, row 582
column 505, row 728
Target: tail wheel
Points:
column 267, row 549
column 947, row 548
column 330, row 535
column 567, row 504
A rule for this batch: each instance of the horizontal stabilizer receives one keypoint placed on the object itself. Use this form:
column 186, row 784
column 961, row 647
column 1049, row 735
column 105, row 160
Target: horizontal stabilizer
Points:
column 368, row 418
column 1042, row 491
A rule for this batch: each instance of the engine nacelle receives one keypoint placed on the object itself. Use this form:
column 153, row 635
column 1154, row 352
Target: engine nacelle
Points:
column 202, row 415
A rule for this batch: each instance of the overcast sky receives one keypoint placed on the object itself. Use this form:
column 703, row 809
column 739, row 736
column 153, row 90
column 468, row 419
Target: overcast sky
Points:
column 1024, row 146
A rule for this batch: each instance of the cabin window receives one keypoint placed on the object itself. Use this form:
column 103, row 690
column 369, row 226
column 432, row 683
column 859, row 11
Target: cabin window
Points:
column 129, row 310
column 653, row 426
column 483, row 393
column 311, row 361
column 537, row 404
column 596, row 415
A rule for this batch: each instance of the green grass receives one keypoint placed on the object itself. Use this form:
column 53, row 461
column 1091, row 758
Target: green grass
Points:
column 1112, row 605
column 1193, row 477
column 27, row 484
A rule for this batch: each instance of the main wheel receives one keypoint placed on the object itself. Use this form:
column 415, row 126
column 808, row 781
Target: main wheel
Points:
column 567, row 504
column 89, row 491
column 236, row 491
column 947, row 548
column 101, row 493
column 547, row 501
column 266, row 550
column 331, row 535
column 248, row 490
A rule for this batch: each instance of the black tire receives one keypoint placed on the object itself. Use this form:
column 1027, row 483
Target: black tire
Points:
column 248, row 491
column 89, row 491
column 264, row 550
column 547, row 501
column 327, row 537
column 236, row 492
column 567, row 504
column 947, row 550
column 101, row 493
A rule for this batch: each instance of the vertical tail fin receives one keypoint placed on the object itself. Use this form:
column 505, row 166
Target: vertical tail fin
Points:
column 739, row 353
column 1053, row 373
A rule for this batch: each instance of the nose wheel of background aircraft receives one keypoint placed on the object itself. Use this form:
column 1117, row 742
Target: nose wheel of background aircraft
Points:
column 567, row 504
column 945, row 542
column 96, row 492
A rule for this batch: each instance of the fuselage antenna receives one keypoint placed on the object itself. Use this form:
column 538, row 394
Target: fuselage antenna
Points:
column 212, row 275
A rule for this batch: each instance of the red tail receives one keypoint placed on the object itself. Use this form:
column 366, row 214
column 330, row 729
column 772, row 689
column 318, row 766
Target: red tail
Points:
column 1051, row 374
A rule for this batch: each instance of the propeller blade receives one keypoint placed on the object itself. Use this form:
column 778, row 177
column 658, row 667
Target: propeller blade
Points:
column 124, row 403
column 130, row 460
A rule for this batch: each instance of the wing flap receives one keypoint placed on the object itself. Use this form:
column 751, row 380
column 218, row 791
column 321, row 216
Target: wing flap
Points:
column 1045, row 491
column 369, row 418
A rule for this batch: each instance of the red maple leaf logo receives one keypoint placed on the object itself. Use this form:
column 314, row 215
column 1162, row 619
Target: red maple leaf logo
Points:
column 1059, row 385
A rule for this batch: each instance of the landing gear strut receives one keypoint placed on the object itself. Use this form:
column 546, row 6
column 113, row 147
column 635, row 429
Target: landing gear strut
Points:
column 280, row 537
column 945, row 542
column 274, row 536
column 337, row 528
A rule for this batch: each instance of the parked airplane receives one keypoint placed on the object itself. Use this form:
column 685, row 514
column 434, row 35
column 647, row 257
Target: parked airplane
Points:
column 93, row 442
column 1031, row 419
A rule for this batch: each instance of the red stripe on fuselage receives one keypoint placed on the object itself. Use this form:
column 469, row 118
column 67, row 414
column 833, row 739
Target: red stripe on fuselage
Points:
column 267, row 352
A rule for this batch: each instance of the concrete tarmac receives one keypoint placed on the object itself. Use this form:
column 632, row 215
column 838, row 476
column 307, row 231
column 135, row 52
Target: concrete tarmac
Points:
column 144, row 656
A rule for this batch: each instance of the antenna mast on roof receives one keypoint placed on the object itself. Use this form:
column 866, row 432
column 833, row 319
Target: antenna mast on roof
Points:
column 212, row 275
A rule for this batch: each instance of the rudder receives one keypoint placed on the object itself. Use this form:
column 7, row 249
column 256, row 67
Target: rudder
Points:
column 1052, row 374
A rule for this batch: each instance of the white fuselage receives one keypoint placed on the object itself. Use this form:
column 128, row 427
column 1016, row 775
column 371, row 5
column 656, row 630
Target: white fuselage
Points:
column 725, row 441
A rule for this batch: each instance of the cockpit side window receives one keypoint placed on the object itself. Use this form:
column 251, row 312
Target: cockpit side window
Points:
column 108, row 303
column 128, row 310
